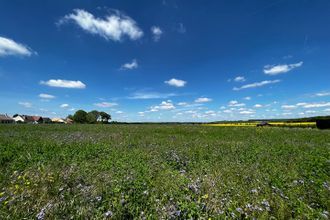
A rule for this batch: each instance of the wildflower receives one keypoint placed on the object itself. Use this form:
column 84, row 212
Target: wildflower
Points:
column 3, row 198
column 240, row 210
column 98, row 198
column 42, row 213
column 108, row 214
column 255, row 191
column 266, row 204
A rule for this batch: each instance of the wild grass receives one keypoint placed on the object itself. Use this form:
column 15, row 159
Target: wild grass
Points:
column 163, row 171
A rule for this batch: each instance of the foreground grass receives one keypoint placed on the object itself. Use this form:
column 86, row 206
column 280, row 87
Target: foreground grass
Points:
column 163, row 171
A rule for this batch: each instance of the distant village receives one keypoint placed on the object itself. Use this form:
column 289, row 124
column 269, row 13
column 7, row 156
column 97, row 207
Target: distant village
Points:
column 80, row 117
column 29, row 119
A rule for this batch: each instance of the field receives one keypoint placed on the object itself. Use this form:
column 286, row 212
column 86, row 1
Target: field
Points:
column 163, row 171
column 273, row 124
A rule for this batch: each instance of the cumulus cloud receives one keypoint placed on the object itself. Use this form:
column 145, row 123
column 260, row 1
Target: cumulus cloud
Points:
column 106, row 104
column 64, row 106
column 239, row 79
column 288, row 107
column 227, row 111
column 247, row 98
column 235, row 103
column 25, row 104
column 113, row 26
column 164, row 105
column 129, row 66
column 176, row 82
column 278, row 69
column 46, row 96
column 306, row 105
column 317, row 105
column 10, row 47
column 62, row 83
column 247, row 112
column 203, row 99
column 258, row 106
column 257, row 84
column 157, row 33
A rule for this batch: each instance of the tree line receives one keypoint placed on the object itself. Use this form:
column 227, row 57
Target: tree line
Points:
column 92, row 117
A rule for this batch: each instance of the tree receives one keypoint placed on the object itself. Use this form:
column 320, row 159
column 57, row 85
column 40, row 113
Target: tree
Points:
column 105, row 117
column 80, row 116
column 70, row 117
column 93, row 116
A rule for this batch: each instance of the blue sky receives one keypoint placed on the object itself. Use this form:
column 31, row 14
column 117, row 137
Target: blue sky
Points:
column 166, row 60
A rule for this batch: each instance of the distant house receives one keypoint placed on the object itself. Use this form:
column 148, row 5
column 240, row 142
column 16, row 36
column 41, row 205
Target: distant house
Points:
column 46, row 120
column 28, row 119
column 69, row 121
column 58, row 120
column 19, row 118
column 37, row 119
column 5, row 119
column 32, row 119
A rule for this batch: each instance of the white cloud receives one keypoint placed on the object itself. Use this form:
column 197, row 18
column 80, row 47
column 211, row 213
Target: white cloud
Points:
column 164, row 105
column 113, row 27
column 106, row 104
column 151, row 95
column 119, row 112
column 227, row 111
column 316, row 105
column 288, row 107
column 278, row 69
column 257, row 84
column 129, row 66
column 321, row 94
column 182, row 103
column 157, row 32
column 64, row 106
column 235, row 103
column 239, row 79
column 258, row 106
column 46, row 96
column 247, row 112
column 203, row 99
column 62, row 83
column 247, row 98
column 9, row 47
column 327, row 110
column 301, row 104
column 25, row 104
column 176, row 82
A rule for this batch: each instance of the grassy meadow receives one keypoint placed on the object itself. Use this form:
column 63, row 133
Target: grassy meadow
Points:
column 163, row 172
